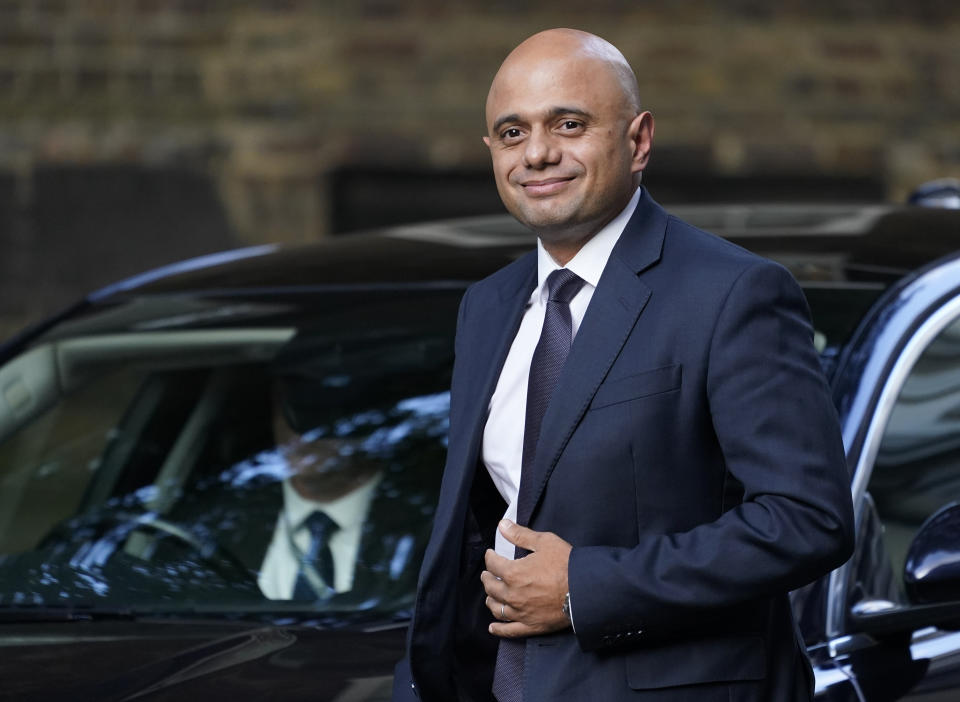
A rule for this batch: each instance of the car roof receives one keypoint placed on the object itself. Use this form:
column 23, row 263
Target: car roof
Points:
column 861, row 248
column 831, row 243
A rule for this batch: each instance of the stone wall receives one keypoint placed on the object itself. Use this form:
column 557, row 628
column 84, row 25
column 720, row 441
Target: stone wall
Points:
column 269, row 99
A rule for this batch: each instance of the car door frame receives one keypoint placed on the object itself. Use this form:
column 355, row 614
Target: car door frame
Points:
column 869, row 376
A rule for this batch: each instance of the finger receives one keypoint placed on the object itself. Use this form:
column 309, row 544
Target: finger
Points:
column 496, row 564
column 520, row 536
column 493, row 586
column 511, row 630
column 499, row 610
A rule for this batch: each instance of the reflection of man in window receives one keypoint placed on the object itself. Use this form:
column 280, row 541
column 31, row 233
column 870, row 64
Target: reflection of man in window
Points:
column 326, row 501
column 340, row 510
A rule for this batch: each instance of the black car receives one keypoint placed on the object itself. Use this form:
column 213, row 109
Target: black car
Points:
column 147, row 436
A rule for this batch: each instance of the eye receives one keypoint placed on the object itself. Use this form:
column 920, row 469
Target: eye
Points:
column 511, row 133
column 569, row 125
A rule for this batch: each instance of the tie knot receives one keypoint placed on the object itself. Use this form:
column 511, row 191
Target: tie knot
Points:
column 320, row 526
column 562, row 285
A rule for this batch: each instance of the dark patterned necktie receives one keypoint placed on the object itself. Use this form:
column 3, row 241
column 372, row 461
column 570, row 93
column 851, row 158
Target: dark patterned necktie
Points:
column 321, row 528
column 545, row 368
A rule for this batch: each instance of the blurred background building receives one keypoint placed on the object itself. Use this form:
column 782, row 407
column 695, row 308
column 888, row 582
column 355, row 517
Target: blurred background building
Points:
column 134, row 133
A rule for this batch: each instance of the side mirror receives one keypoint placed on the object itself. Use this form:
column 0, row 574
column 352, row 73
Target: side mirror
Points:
column 931, row 572
column 931, row 575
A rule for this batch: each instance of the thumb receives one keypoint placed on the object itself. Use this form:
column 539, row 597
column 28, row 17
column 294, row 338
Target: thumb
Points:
column 518, row 535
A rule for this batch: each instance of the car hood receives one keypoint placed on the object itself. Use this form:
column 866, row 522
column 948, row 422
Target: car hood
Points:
column 173, row 660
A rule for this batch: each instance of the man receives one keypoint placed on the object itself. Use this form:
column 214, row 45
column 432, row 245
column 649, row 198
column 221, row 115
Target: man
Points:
column 327, row 494
column 654, row 416
column 333, row 513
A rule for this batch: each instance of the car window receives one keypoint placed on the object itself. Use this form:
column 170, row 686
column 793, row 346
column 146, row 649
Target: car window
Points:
column 180, row 469
column 917, row 469
column 52, row 460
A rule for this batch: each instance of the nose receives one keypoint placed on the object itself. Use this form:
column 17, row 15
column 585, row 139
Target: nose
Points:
column 540, row 150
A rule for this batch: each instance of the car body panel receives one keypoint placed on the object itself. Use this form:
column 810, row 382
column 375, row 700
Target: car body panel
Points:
column 158, row 659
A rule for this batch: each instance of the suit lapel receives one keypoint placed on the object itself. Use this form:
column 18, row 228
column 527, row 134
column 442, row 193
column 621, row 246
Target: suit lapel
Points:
column 493, row 325
column 390, row 546
column 617, row 302
column 497, row 324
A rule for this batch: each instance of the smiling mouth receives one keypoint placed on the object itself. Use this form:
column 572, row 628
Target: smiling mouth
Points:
column 548, row 186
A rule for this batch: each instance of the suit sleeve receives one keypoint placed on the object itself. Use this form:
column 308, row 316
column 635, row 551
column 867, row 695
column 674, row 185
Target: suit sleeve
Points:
column 779, row 436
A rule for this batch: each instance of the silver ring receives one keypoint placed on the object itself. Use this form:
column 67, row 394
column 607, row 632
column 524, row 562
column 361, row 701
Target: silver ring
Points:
column 502, row 615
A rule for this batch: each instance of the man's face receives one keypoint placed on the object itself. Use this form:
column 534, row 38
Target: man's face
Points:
column 320, row 468
column 564, row 143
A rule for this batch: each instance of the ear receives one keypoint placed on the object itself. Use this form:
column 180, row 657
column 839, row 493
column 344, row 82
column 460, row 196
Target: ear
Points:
column 640, row 132
column 486, row 140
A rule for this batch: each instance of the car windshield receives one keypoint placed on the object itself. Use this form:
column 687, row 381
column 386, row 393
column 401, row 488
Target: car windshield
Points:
column 158, row 459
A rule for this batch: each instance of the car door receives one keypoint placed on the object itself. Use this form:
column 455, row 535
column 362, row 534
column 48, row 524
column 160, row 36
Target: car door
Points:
column 898, row 389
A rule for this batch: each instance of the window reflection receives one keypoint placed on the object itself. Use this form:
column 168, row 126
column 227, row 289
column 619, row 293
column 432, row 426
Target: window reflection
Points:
column 188, row 486
column 917, row 470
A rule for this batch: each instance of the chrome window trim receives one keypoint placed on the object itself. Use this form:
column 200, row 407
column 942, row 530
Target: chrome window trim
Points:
column 921, row 338
column 934, row 643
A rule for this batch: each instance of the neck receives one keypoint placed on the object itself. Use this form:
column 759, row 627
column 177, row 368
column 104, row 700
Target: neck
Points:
column 563, row 251
column 564, row 244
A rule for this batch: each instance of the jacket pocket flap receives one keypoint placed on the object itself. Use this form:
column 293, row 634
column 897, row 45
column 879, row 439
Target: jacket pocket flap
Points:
column 722, row 659
column 630, row 387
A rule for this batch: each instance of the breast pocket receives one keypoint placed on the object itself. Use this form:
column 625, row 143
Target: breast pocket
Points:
column 636, row 385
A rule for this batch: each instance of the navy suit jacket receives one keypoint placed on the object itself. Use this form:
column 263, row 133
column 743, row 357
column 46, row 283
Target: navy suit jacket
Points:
column 691, row 455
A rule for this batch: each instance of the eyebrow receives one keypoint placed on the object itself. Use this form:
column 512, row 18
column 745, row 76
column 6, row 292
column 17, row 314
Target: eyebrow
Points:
column 557, row 111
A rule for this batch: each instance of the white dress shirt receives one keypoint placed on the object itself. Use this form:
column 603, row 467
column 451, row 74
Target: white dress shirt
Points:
column 503, row 433
column 278, row 574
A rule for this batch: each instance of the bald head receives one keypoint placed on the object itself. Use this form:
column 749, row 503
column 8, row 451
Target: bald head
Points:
column 566, row 135
column 572, row 46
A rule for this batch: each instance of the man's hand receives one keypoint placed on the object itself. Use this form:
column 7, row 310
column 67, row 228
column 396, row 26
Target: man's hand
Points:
column 526, row 595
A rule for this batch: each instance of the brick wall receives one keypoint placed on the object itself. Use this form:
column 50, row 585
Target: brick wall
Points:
column 267, row 98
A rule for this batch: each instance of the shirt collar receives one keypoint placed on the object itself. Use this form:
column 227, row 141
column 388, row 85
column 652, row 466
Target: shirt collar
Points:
column 590, row 260
column 348, row 511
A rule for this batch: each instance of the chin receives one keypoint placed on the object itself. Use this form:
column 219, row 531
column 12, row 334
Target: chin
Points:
column 550, row 223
